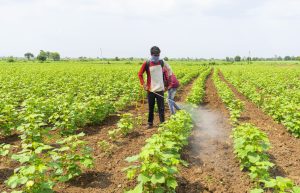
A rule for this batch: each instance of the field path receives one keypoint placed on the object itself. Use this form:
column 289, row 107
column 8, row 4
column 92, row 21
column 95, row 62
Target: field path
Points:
column 212, row 165
column 107, row 176
column 285, row 152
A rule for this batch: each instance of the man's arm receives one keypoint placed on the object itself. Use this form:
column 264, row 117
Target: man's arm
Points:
column 140, row 74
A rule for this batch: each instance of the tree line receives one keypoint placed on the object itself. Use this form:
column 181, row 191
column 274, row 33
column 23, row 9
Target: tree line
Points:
column 43, row 56
column 276, row 58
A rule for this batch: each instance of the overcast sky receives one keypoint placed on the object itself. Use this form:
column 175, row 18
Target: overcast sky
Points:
column 125, row 28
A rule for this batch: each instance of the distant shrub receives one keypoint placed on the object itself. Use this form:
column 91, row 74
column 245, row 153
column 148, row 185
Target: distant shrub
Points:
column 10, row 59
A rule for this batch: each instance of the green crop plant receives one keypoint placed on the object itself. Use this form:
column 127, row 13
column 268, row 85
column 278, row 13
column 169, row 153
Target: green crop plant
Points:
column 235, row 106
column 251, row 146
column 198, row 90
column 274, row 89
column 156, row 165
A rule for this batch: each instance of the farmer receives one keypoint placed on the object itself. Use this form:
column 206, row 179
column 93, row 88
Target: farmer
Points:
column 155, row 84
column 173, row 84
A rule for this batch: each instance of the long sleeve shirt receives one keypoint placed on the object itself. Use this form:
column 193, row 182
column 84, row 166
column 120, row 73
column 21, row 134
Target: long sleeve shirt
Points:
column 155, row 77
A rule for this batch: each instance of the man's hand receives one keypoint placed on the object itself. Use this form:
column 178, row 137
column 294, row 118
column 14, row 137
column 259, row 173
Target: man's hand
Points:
column 145, row 87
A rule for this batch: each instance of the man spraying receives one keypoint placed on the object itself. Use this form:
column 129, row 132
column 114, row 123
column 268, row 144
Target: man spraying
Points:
column 155, row 86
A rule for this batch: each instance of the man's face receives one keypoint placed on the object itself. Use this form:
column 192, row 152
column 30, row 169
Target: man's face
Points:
column 156, row 55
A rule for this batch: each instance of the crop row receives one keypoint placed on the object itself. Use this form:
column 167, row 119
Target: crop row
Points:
column 36, row 99
column 198, row 90
column 251, row 146
column 69, row 96
column 234, row 105
column 156, row 165
column 275, row 89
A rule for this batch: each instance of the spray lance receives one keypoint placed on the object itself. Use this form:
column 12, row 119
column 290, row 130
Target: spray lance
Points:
column 161, row 96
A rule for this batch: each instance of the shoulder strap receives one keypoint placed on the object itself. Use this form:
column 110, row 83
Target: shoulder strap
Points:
column 147, row 65
column 161, row 63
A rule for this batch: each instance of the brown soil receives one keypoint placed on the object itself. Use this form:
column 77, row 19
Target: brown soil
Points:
column 107, row 175
column 212, row 165
column 285, row 152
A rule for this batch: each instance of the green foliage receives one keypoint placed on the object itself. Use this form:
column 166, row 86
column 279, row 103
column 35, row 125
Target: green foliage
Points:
column 156, row 165
column 125, row 125
column 235, row 106
column 10, row 59
column 42, row 165
column 55, row 56
column 198, row 90
column 237, row 58
column 70, row 95
column 28, row 55
column 274, row 89
column 251, row 146
column 106, row 147
column 42, row 56
column 4, row 149
column 279, row 184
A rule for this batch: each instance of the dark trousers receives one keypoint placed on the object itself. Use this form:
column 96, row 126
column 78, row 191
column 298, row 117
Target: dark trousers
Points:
column 160, row 105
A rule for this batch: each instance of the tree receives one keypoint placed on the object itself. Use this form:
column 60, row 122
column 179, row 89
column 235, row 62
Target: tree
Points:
column 298, row 58
column 227, row 59
column 237, row 58
column 48, row 54
column 166, row 59
column 55, row 56
column 42, row 56
column 28, row 55
column 117, row 58
column 287, row 58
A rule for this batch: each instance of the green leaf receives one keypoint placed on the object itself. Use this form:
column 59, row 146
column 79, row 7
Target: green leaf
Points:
column 172, row 183
column 253, row 159
column 22, row 158
column 13, row 181
column 257, row 190
column 28, row 170
column 132, row 158
column 144, row 179
column 137, row 189
column 158, row 178
column 159, row 190
column 270, row 183
column 296, row 189
column 88, row 163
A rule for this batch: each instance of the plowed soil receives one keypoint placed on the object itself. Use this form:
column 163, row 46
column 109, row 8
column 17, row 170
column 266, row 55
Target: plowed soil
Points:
column 285, row 152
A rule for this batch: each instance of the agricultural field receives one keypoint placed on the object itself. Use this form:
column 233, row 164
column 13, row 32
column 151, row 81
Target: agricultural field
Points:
column 74, row 126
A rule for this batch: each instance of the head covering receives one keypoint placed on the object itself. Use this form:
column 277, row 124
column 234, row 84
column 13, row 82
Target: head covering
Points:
column 155, row 50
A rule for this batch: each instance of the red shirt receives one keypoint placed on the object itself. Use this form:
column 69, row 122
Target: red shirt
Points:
column 155, row 76
column 173, row 82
